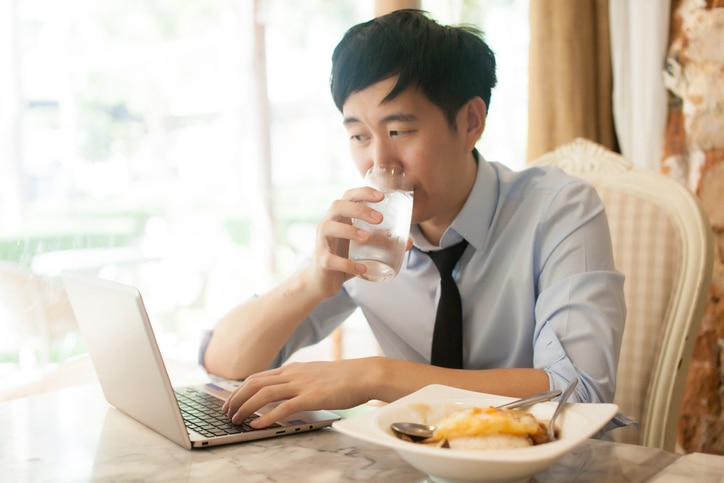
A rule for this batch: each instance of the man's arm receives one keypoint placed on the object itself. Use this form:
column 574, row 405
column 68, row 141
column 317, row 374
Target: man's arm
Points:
column 400, row 378
column 580, row 310
column 249, row 336
column 348, row 383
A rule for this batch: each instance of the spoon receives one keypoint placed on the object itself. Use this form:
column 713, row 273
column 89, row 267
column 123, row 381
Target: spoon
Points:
column 419, row 431
column 559, row 408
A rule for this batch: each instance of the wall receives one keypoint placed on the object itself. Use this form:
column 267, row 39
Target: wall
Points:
column 694, row 154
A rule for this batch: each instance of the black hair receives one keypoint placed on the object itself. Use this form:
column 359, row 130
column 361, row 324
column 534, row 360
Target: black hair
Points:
column 449, row 64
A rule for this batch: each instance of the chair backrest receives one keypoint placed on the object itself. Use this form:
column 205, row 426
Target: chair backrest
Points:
column 663, row 244
column 35, row 318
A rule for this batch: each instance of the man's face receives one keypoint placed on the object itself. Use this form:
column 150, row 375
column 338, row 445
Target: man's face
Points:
column 412, row 132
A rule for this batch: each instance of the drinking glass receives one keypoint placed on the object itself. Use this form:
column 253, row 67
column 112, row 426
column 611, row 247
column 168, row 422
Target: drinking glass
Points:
column 384, row 250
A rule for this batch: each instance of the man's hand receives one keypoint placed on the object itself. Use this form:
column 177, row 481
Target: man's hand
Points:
column 331, row 266
column 301, row 387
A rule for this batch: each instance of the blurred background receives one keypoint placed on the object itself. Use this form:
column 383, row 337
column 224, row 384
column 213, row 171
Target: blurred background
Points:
column 187, row 147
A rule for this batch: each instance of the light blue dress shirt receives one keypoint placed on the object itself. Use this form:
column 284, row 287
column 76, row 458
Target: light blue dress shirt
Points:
column 537, row 282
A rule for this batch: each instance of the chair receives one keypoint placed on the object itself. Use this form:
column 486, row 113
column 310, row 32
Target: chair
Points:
column 36, row 321
column 663, row 244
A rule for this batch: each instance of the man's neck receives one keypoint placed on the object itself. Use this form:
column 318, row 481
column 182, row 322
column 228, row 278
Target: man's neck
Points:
column 434, row 228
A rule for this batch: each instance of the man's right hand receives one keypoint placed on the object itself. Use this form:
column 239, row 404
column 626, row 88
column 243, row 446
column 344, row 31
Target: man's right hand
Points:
column 331, row 266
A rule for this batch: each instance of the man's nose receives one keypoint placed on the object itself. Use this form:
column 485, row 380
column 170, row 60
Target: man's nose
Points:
column 384, row 155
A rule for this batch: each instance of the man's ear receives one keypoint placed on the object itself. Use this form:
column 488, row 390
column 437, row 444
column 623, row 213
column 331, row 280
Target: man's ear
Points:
column 475, row 114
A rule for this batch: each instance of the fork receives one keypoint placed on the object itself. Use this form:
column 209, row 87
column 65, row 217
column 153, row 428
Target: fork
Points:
column 559, row 408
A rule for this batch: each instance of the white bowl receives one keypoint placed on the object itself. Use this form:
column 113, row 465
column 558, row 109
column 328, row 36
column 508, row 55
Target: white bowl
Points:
column 577, row 423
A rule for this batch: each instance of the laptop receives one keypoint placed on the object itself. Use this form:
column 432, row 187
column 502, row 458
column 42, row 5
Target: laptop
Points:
column 122, row 346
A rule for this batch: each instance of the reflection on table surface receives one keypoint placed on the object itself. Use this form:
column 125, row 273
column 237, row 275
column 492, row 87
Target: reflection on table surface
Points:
column 72, row 434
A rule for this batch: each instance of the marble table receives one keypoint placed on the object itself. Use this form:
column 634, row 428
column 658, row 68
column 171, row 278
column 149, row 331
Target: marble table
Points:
column 71, row 434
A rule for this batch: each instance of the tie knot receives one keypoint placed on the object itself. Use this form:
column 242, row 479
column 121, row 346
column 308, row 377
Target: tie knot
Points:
column 446, row 259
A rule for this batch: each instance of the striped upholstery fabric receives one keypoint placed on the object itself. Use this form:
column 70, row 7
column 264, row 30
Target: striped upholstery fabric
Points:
column 646, row 249
column 663, row 244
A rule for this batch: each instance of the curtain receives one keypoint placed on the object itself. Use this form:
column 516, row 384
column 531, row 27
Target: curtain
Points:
column 639, row 40
column 569, row 75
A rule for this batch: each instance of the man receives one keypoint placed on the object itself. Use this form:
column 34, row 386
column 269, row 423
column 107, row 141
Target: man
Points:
column 541, row 300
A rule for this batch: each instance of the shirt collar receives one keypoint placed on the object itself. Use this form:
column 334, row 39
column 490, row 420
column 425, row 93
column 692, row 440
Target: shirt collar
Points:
column 473, row 221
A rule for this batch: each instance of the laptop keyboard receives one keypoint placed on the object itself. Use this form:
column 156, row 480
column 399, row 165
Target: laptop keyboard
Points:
column 202, row 413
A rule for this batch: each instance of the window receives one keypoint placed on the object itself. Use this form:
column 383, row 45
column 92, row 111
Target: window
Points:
column 129, row 150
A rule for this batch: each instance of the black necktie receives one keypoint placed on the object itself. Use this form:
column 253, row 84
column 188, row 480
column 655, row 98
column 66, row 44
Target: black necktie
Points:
column 447, row 339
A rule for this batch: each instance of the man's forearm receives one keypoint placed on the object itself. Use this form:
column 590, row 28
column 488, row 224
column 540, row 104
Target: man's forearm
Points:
column 248, row 337
column 396, row 378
